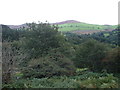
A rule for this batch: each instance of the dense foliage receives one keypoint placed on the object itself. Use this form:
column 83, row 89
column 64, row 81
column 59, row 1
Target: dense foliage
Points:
column 112, row 60
column 87, row 80
column 89, row 54
column 111, row 37
column 54, row 64
column 40, row 56
column 9, row 34
column 39, row 39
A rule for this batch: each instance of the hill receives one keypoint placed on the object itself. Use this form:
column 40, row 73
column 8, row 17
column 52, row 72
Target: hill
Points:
column 67, row 21
column 17, row 26
column 76, row 27
column 80, row 27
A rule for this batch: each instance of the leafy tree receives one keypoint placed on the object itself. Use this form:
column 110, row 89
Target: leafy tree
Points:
column 39, row 39
column 112, row 60
column 89, row 54
column 48, row 52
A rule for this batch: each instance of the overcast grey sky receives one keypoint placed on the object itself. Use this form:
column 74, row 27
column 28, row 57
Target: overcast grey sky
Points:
column 15, row 12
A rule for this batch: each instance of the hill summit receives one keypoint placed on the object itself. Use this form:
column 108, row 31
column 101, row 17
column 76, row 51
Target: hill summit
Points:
column 67, row 21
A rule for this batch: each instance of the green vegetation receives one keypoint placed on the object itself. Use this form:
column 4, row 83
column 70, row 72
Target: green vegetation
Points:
column 40, row 56
column 108, row 37
column 84, row 26
column 86, row 80
column 89, row 54
column 106, row 34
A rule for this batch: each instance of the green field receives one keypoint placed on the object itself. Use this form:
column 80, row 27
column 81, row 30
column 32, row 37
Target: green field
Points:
column 84, row 26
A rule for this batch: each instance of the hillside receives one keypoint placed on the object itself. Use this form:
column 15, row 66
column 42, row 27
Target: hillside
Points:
column 80, row 27
column 42, row 57
column 67, row 21
column 76, row 27
column 17, row 26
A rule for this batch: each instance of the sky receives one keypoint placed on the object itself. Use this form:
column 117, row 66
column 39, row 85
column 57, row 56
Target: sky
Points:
column 16, row 12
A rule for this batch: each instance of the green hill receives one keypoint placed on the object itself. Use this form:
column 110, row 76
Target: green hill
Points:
column 77, row 26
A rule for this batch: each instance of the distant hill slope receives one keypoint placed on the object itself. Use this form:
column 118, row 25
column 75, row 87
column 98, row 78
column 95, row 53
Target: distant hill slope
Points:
column 76, row 27
column 67, row 21
column 17, row 26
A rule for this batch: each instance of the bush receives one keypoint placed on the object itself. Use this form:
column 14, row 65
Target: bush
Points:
column 93, row 80
column 89, row 55
column 112, row 61
column 53, row 64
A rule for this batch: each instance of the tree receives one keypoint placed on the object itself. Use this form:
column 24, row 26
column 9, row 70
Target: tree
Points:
column 89, row 54
column 112, row 60
column 48, row 52
column 39, row 39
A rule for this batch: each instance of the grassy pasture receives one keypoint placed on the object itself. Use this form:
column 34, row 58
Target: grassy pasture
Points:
column 84, row 26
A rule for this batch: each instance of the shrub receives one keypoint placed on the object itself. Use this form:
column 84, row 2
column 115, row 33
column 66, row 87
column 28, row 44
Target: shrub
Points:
column 92, row 81
column 53, row 64
column 112, row 60
column 89, row 55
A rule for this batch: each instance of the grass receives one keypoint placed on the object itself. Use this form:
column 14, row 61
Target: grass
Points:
column 84, row 26
column 106, row 34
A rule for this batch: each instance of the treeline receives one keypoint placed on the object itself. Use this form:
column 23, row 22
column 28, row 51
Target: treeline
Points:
column 110, row 37
column 41, row 51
